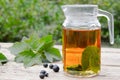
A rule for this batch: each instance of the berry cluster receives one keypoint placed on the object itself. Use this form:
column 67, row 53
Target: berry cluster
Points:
column 43, row 73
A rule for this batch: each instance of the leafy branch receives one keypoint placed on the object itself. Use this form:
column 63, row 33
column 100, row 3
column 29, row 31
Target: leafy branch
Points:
column 35, row 50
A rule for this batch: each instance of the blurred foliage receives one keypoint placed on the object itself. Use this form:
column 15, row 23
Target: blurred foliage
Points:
column 19, row 18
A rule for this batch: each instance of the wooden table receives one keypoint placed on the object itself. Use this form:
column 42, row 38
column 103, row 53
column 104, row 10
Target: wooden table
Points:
column 110, row 67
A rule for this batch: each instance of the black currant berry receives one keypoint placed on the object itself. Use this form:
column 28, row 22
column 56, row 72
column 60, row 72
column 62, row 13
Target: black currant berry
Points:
column 42, row 72
column 45, row 65
column 56, row 68
column 46, row 74
column 51, row 66
column 42, row 76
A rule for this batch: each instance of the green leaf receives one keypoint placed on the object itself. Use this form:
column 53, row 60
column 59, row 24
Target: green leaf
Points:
column 22, row 55
column 91, row 59
column 49, row 57
column 18, row 47
column 46, row 42
column 28, row 58
column 45, row 46
column 85, row 59
column 47, row 38
column 95, row 60
column 75, row 68
column 27, row 43
column 32, row 60
column 53, row 53
column 3, row 59
column 33, row 41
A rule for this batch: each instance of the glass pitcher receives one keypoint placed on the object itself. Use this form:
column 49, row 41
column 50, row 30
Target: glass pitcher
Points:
column 82, row 39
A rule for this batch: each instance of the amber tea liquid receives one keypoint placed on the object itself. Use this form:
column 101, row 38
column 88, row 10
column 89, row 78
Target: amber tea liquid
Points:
column 74, row 43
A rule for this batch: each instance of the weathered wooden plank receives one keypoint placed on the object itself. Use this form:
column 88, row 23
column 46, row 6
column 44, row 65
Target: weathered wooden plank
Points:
column 110, row 67
column 14, row 71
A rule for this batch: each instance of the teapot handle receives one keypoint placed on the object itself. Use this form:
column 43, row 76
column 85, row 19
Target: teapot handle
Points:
column 110, row 19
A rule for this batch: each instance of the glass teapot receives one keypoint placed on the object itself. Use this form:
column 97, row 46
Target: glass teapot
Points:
column 81, row 46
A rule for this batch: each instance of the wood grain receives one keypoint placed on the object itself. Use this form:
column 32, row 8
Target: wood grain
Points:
column 110, row 67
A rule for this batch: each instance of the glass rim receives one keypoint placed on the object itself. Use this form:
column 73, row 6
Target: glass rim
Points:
column 80, row 5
